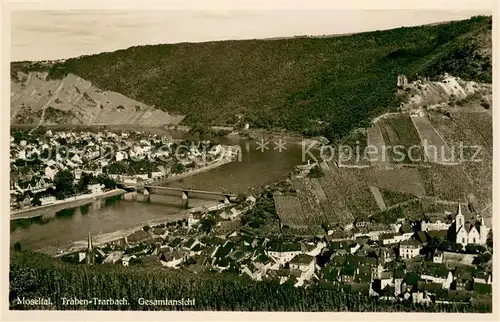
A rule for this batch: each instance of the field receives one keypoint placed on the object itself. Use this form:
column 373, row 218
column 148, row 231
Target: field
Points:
column 379, row 155
column 474, row 132
column 289, row 211
column 378, row 197
column 406, row 180
column 398, row 130
column 450, row 183
column 395, row 197
column 436, row 150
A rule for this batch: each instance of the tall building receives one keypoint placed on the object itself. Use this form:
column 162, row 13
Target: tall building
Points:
column 470, row 231
column 90, row 252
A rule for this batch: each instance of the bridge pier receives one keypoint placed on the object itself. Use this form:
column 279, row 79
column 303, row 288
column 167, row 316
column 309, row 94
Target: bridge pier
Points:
column 46, row 217
column 226, row 200
column 96, row 204
column 185, row 199
column 78, row 211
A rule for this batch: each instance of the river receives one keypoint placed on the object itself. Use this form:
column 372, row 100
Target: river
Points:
column 255, row 168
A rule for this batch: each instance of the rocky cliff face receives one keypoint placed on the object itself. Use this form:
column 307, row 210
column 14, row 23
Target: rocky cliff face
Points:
column 446, row 92
column 73, row 100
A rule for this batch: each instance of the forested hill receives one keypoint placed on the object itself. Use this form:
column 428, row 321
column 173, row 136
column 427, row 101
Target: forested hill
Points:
column 317, row 86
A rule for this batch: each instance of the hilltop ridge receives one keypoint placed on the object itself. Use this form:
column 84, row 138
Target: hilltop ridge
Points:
column 315, row 86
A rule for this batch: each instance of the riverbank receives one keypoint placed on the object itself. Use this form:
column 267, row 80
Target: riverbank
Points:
column 193, row 172
column 184, row 131
column 101, row 239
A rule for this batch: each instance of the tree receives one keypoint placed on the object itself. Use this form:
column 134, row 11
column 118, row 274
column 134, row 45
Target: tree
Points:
column 36, row 201
column 84, row 181
column 178, row 168
column 316, row 172
column 17, row 247
column 106, row 181
column 63, row 180
column 207, row 224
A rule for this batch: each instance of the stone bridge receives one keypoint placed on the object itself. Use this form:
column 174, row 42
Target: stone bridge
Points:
column 185, row 194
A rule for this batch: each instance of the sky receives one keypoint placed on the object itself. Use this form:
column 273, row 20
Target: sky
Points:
column 48, row 35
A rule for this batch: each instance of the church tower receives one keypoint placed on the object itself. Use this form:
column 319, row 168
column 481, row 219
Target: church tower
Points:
column 90, row 252
column 459, row 219
column 483, row 231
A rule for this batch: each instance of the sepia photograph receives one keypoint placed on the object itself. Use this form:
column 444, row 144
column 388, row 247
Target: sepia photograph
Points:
column 250, row 160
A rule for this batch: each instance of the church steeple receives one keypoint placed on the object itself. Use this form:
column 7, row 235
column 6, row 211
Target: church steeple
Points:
column 90, row 251
column 459, row 218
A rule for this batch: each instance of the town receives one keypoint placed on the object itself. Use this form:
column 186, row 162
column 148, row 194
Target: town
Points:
column 49, row 166
column 439, row 258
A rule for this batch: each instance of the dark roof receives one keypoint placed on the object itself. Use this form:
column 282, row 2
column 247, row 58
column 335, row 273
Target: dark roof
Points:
column 421, row 236
column 411, row 243
column 302, row 259
column 284, row 247
column 434, row 269
column 412, row 278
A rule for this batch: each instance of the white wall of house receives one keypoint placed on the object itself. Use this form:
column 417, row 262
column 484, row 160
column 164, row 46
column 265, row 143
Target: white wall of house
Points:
column 406, row 252
column 428, row 226
column 283, row 257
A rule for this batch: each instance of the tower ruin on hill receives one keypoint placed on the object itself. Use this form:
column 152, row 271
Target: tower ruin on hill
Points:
column 402, row 80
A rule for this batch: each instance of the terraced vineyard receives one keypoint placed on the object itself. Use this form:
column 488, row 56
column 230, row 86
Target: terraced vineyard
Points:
column 311, row 208
column 395, row 197
column 435, row 147
column 406, row 180
column 289, row 211
column 450, row 183
column 387, row 191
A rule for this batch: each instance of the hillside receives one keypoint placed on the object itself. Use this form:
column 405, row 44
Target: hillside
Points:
column 316, row 86
column 35, row 275
column 73, row 100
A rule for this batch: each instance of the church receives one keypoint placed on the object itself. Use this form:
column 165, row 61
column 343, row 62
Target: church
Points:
column 468, row 231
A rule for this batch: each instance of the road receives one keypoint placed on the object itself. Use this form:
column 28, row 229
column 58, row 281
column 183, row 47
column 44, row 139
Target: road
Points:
column 59, row 205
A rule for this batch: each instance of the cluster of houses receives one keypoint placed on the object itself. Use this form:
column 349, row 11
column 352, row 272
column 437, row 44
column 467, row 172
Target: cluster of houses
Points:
column 397, row 265
column 36, row 159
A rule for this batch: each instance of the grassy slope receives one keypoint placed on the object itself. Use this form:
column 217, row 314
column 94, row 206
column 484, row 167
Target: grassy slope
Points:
column 35, row 275
column 286, row 83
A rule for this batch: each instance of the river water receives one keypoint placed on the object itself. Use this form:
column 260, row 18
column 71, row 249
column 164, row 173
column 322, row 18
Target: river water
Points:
column 256, row 167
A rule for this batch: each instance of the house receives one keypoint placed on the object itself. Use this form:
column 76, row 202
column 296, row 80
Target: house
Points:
column 391, row 238
column 420, row 236
column 137, row 237
column 190, row 243
column 50, row 171
column 120, row 155
column 436, row 273
column 361, row 221
column 252, row 271
column 406, row 230
column 303, row 262
column 251, row 199
column 283, row 252
column 468, row 231
column 231, row 215
column 409, row 249
column 173, row 258
column 464, row 281
column 264, row 263
column 385, row 255
column 95, row 188
column 113, row 257
column 421, row 298
column 438, row 257
column 47, row 200
column 435, row 222
column 312, row 249
column 127, row 258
